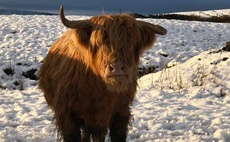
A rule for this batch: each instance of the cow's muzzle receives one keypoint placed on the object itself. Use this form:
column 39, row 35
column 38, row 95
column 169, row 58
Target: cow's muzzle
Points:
column 115, row 69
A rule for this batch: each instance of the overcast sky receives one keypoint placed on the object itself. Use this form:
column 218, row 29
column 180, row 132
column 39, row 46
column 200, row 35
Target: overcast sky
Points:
column 139, row 6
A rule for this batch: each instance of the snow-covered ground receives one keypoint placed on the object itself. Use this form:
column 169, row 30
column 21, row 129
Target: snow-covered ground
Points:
column 188, row 99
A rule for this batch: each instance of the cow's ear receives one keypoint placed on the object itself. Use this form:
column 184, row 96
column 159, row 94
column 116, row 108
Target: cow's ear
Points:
column 148, row 34
column 82, row 33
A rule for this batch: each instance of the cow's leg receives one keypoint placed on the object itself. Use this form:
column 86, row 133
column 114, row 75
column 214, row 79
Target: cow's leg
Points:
column 98, row 134
column 69, row 127
column 85, row 135
column 74, row 134
column 119, row 126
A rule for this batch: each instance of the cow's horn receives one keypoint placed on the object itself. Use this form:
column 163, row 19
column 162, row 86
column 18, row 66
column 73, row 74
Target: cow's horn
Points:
column 157, row 28
column 66, row 22
column 160, row 30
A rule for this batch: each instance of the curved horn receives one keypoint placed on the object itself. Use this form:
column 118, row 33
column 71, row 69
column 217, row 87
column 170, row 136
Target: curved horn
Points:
column 156, row 28
column 66, row 22
column 160, row 30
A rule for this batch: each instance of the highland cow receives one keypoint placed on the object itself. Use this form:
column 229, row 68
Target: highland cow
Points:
column 89, row 75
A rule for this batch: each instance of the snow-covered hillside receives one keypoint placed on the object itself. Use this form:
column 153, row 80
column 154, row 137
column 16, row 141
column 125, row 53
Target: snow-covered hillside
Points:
column 208, row 13
column 188, row 99
column 22, row 12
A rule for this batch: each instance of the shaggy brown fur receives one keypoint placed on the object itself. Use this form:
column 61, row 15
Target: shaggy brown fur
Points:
column 74, row 77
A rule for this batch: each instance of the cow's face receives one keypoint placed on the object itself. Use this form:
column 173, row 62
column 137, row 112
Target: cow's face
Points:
column 115, row 43
column 116, row 66
column 115, row 46
column 115, row 51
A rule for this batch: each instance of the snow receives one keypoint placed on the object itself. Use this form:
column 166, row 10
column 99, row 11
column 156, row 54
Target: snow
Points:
column 187, row 99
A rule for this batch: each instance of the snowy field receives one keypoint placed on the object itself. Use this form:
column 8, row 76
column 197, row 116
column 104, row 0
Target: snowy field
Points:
column 187, row 100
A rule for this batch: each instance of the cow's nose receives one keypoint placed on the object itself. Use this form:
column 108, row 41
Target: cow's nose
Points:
column 115, row 68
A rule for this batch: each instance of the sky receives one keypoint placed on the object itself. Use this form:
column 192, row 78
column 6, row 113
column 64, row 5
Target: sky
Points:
column 138, row 6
